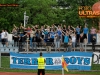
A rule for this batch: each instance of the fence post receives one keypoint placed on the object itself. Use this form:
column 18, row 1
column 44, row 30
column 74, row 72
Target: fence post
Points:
column 27, row 45
column 0, row 58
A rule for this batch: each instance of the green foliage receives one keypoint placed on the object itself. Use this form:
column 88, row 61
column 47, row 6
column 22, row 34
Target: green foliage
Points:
column 4, row 23
column 43, row 12
column 72, row 17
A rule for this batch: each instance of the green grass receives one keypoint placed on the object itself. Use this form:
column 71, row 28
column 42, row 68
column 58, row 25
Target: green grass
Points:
column 5, row 62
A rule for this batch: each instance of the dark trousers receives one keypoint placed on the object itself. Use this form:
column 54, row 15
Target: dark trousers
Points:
column 3, row 41
column 77, row 37
column 20, row 46
column 15, row 41
column 93, row 46
column 91, row 37
column 41, row 71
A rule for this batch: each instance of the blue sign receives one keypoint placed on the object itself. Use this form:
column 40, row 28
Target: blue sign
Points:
column 75, row 60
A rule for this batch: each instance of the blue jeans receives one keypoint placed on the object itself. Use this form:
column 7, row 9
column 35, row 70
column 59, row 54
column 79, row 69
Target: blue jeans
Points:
column 57, row 45
column 90, row 37
column 73, row 44
column 31, row 42
column 34, row 46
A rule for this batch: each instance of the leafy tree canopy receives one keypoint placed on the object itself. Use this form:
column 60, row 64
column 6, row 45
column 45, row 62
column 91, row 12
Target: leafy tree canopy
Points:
column 43, row 12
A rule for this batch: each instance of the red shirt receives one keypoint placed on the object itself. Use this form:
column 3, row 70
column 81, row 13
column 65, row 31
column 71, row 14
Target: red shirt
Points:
column 28, row 30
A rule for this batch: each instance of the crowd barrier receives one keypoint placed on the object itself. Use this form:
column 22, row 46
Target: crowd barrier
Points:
column 10, row 48
column 21, row 47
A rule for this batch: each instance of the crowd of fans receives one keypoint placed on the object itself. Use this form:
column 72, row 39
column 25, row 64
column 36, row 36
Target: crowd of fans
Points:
column 48, row 36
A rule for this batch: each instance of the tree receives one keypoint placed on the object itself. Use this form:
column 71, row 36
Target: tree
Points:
column 43, row 12
column 71, row 13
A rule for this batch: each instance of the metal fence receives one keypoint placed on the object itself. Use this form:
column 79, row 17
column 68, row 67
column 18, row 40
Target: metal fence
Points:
column 41, row 46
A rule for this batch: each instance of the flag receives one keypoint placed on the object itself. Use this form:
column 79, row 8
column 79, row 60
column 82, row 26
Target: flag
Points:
column 64, row 64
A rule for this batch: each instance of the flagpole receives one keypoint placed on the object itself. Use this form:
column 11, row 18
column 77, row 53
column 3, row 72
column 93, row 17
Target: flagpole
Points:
column 62, row 68
column 62, row 71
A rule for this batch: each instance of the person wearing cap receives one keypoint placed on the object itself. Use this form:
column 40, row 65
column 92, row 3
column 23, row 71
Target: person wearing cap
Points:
column 41, row 65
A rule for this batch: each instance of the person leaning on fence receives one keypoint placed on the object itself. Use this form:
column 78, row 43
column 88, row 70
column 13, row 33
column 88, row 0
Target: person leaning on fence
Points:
column 41, row 65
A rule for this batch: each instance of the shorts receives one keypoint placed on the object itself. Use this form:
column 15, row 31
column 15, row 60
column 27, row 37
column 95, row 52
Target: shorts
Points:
column 65, row 45
column 3, row 41
column 6, row 40
column 81, row 45
column 41, row 71
column 85, row 36
column 73, row 44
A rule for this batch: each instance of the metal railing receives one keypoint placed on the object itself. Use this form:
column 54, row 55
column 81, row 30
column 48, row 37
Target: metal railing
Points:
column 39, row 46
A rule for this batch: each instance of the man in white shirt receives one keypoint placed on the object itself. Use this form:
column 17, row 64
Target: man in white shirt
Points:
column 3, row 37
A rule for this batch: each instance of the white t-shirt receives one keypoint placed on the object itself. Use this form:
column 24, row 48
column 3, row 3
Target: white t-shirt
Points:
column 2, row 35
column 73, row 39
column 6, row 35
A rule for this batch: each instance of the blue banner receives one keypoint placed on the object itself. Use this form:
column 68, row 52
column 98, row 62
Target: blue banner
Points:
column 75, row 60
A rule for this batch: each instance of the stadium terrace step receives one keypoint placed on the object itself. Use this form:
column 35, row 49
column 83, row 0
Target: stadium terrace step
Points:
column 11, row 48
column 8, row 50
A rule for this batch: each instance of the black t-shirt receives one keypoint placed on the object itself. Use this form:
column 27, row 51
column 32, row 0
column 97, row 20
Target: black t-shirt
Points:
column 38, row 35
column 81, row 39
